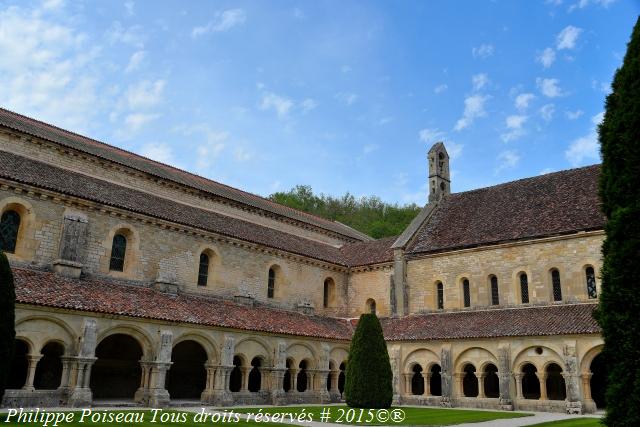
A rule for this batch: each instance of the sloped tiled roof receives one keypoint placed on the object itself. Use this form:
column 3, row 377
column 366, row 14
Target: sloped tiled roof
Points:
column 81, row 143
column 45, row 176
column 566, row 319
column 34, row 287
column 548, row 205
column 367, row 253
column 101, row 296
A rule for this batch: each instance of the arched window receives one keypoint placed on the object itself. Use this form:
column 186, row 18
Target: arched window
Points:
column 435, row 382
column 524, row 288
column 466, row 293
column 203, row 270
column 235, row 378
column 9, row 225
column 417, row 381
column 440, row 296
column 495, row 294
column 469, row 381
column 271, row 285
column 592, row 291
column 255, row 377
column 555, row 282
column 118, row 252
column 328, row 294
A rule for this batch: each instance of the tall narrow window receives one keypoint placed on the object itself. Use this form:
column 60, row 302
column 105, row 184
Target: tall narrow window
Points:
column 466, row 293
column 203, row 270
column 557, row 287
column 592, row 291
column 495, row 295
column 440, row 291
column 271, row 286
column 9, row 225
column 118, row 251
column 524, row 288
column 326, row 293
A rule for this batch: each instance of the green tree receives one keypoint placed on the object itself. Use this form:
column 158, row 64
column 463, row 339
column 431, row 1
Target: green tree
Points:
column 368, row 377
column 620, row 193
column 369, row 215
column 7, row 320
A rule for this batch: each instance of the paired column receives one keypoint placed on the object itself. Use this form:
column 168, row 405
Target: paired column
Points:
column 542, row 379
column 481, row 376
column 32, row 360
column 518, row 378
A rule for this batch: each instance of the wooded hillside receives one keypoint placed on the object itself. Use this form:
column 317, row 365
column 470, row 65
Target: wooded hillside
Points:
column 369, row 215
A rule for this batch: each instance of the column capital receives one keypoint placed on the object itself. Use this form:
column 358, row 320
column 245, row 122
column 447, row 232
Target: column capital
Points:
column 542, row 376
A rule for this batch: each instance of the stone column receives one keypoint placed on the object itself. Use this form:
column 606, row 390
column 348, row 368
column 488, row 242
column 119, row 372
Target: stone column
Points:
column 321, row 376
column 445, row 375
column 158, row 394
column 427, row 383
column 293, row 372
column 207, row 395
column 32, row 360
column 333, row 381
column 66, row 372
column 81, row 395
column 245, row 378
column 459, row 377
column 586, row 386
column 542, row 379
column 396, row 380
column 481, row 376
column 570, row 374
column 518, row 378
column 407, row 383
column 504, row 377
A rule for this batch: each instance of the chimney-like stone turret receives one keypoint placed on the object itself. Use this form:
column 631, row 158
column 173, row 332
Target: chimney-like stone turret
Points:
column 439, row 180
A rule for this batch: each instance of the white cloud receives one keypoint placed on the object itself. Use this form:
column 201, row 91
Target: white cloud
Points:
column 483, row 51
column 514, row 125
column 370, row 148
column 223, row 21
column 242, row 154
column 547, row 57
column 547, row 111
column 280, row 104
column 308, row 105
column 52, row 4
column 581, row 4
column 135, row 121
column 132, row 36
column 473, row 109
column 549, row 87
column 135, row 61
column 568, row 37
column 158, row 152
column 145, row 94
column 430, row 135
column 479, row 81
column 572, row 115
column 454, row 149
column 129, row 7
column 508, row 159
column 346, row 97
column 440, row 88
column 585, row 148
column 523, row 100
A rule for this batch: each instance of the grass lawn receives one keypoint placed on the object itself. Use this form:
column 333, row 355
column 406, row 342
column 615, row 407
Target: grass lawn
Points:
column 574, row 422
column 137, row 419
column 414, row 416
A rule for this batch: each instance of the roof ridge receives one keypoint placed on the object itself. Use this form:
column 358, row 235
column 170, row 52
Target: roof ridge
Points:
column 108, row 146
column 527, row 178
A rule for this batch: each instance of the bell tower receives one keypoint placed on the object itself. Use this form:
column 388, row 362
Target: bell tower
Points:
column 439, row 178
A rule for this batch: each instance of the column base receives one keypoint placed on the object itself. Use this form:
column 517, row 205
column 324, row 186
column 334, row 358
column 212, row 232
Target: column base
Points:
column 222, row 398
column 574, row 408
column 80, row 397
column 445, row 402
column 158, row 398
column 506, row 404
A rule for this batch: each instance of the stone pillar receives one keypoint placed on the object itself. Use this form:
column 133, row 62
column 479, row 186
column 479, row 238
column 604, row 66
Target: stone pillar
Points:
column 518, row 378
column 570, row 374
column 427, row 383
column 542, row 379
column 66, row 372
column 276, row 389
column 586, row 386
column 407, row 383
column 481, row 376
column 32, row 360
column 504, row 377
column 321, row 375
column 459, row 378
column 207, row 395
column 222, row 395
column 158, row 394
column 445, row 375
column 293, row 372
column 245, row 378
column 396, row 380
column 81, row 395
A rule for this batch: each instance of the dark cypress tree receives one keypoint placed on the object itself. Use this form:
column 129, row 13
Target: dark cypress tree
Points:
column 619, row 310
column 7, row 320
column 368, row 377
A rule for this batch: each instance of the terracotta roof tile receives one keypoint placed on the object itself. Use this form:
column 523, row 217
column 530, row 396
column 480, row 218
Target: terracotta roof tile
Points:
column 43, row 175
column 547, row 205
column 74, row 141
column 102, row 296
column 366, row 253
column 565, row 319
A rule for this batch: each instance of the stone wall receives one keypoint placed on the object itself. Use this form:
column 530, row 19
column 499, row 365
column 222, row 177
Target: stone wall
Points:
column 569, row 254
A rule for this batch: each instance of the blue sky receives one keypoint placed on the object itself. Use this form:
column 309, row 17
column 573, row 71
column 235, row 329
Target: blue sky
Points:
column 340, row 95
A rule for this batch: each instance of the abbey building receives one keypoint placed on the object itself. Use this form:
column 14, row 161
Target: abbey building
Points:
column 138, row 283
